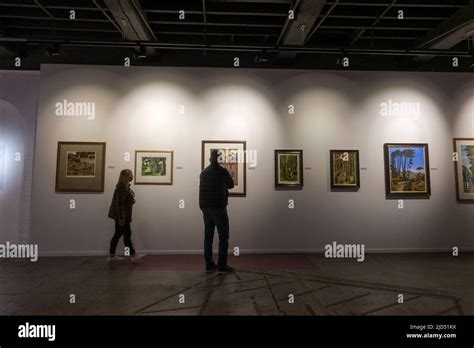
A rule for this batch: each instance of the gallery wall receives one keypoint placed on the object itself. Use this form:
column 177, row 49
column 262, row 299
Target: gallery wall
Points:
column 144, row 108
column 18, row 101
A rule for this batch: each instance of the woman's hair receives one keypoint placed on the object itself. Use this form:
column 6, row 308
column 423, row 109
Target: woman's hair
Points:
column 124, row 177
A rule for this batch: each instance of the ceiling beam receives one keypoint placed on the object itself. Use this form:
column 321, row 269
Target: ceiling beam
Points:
column 362, row 31
column 317, row 26
column 131, row 20
column 204, row 18
column 107, row 16
column 306, row 15
column 44, row 9
column 294, row 8
column 422, row 3
column 457, row 28
column 254, row 48
column 449, row 33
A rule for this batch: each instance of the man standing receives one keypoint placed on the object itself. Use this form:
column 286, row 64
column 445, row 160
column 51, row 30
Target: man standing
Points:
column 215, row 181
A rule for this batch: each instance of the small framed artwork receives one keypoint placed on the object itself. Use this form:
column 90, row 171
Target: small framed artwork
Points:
column 464, row 169
column 80, row 167
column 153, row 167
column 289, row 169
column 232, row 156
column 407, row 170
column 345, row 172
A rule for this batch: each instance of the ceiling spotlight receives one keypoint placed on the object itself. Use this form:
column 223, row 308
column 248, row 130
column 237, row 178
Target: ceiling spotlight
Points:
column 53, row 51
column 141, row 52
column 261, row 57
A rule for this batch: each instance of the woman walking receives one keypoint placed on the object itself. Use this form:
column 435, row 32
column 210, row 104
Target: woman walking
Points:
column 121, row 211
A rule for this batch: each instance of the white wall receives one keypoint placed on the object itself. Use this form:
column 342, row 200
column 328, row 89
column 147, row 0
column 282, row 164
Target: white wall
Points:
column 18, row 98
column 137, row 108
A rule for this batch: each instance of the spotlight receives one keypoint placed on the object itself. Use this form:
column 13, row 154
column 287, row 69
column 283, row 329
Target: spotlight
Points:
column 261, row 57
column 53, row 51
column 141, row 52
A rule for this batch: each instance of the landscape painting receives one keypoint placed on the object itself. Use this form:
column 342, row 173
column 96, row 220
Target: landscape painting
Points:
column 464, row 169
column 344, row 169
column 81, row 164
column 289, row 169
column 153, row 167
column 80, row 167
column 232, row 156
column 407, row 170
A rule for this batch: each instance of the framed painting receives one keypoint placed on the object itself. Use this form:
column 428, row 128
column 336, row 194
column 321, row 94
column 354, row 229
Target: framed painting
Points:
column 80, row 167
column 345, row 171
column 289, row 169
column 464, row 169
column 232, row 156
column 153, row 167
column 407, row 170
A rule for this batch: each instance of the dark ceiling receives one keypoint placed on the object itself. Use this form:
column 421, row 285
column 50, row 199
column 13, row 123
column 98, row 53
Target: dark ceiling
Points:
column 214, row 32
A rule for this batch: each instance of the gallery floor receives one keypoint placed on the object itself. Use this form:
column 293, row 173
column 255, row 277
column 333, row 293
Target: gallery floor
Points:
column 432, row 283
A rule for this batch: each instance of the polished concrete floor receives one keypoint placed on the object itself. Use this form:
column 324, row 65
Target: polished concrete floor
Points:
column 264, row 284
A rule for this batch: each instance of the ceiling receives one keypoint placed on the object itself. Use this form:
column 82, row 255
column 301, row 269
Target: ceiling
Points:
column 421, row 35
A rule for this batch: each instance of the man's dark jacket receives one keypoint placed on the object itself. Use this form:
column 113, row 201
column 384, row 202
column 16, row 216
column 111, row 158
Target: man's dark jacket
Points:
column 215, row 181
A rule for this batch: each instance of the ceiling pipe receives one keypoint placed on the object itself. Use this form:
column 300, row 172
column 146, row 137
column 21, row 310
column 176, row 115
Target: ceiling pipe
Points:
column 250, row 48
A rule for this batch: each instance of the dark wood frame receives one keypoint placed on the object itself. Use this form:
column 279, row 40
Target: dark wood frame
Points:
column 344, row 187
column 458, row 198
column 387, row 171
column 153, row 183
column 58, row 159
column 289, row 186
column 244, row 143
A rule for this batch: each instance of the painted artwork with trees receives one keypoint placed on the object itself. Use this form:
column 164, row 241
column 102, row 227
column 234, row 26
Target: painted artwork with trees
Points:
column 464, row 169
column 407, row 168
column 467, row 152
column 345, row 168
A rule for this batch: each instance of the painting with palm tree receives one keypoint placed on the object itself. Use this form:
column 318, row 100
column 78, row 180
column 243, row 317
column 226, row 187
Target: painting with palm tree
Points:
column 289, row 169
column 407, row 169
column 464, row 169
column 344, row 169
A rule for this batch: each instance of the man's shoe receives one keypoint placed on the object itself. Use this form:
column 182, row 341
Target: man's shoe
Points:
column 114, row 258
column 211, row 268
column 137, row 257
column 226, row 270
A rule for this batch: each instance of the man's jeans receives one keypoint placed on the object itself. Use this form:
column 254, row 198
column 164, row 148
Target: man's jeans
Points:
column 216, row 217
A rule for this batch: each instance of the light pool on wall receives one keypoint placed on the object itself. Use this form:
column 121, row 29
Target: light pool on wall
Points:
column 2, row 165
